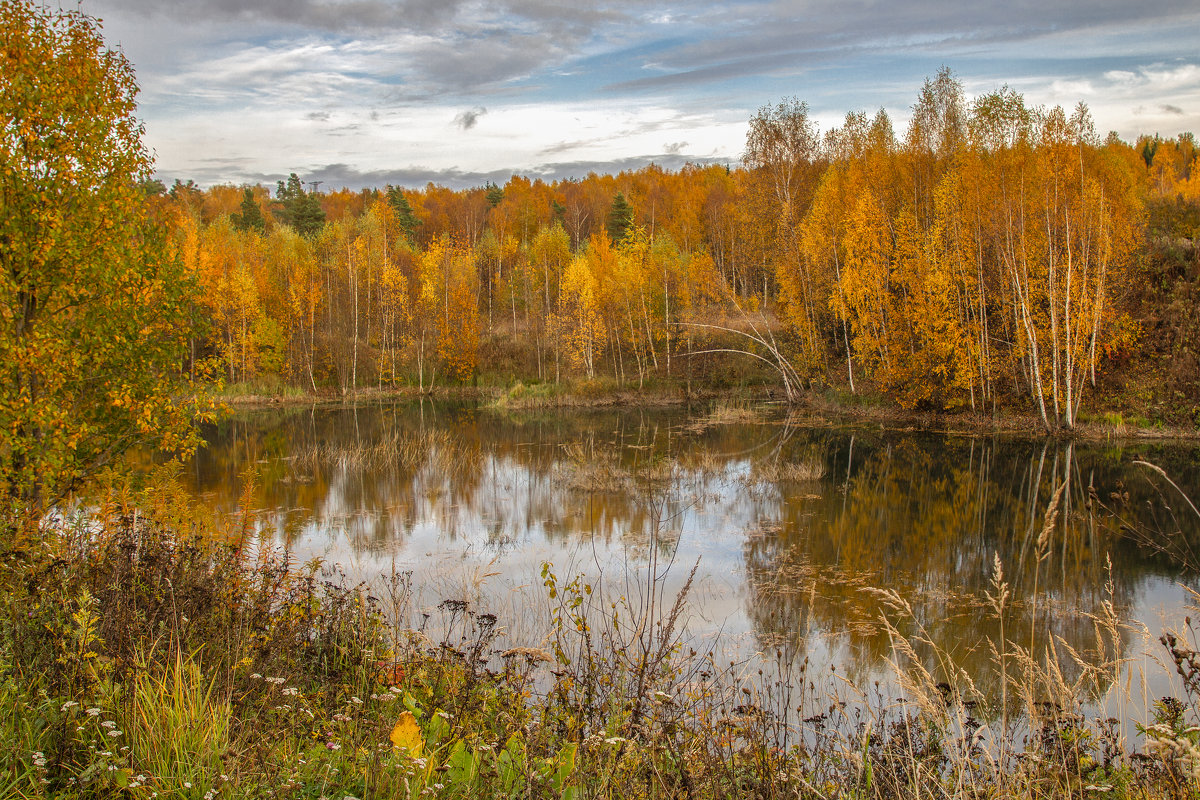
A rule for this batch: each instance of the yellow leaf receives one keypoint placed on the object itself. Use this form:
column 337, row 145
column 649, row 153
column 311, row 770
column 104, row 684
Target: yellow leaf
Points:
column 407, row 734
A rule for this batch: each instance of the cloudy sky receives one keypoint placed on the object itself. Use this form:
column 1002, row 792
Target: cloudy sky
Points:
column 367, row 92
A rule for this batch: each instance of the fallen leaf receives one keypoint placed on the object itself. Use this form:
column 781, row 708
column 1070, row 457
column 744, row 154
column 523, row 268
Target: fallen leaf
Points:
column 407, row 734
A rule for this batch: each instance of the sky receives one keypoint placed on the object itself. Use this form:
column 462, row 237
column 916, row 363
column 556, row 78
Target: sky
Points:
column 362, row 93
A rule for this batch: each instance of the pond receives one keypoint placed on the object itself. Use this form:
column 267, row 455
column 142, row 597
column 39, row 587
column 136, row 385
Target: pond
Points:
column 792, row 526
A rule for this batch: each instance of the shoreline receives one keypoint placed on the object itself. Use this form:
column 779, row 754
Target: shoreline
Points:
column 812, row 409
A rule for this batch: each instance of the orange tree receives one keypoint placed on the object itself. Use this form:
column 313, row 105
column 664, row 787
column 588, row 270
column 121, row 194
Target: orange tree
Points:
column 93, row 313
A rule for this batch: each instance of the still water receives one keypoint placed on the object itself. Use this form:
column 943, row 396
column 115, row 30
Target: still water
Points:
column 790, row 525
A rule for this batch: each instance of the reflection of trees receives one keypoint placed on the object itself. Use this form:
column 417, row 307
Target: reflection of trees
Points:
column 926, row 516
column 817, row 514
column 376, row 474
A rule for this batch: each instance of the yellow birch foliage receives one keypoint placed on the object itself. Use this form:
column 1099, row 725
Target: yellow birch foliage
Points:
column 94, row 311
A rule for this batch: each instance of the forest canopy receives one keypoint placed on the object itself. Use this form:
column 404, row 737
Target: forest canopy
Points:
column 981, row 257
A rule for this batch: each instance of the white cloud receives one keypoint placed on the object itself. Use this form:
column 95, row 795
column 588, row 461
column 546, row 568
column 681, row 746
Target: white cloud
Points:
column 373, row 85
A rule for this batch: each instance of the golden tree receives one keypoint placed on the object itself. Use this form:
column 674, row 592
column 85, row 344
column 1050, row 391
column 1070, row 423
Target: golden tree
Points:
column 93, row 314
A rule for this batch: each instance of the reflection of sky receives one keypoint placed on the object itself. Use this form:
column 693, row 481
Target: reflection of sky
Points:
column 477, row 515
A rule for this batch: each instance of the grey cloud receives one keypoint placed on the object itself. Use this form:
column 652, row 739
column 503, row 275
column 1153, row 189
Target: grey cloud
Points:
column 318, row 116
column 674, row 148
column 563, row 170
column 347, row 15
column 323, row 15
column 469, row 65
column 467, row 119
column 1170, row 109
column 757, row 39
column 337, row 176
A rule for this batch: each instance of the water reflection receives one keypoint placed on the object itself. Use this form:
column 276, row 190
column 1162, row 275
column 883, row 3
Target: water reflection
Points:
column 790, row 523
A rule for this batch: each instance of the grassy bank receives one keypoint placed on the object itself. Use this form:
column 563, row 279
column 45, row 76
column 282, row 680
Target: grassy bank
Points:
column 147, row 652
column 827, row 407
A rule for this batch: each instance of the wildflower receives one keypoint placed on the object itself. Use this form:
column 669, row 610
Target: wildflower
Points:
column 187, row 785
column 114, row 733
column 68, row 704
column 108, row 723
column 276, row 681
column 94, row 712
column 333, row 745
column 356, row 701
column 256, row 675
column 39, row 759
column 291, row 691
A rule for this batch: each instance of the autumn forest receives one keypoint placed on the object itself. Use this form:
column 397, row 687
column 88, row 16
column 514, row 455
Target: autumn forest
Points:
column 982, row 257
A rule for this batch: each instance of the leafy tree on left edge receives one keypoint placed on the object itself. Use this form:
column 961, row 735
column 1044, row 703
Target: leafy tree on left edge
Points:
column 94, row 308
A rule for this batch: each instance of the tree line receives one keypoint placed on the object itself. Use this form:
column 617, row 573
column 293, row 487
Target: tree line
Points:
column 979, row 258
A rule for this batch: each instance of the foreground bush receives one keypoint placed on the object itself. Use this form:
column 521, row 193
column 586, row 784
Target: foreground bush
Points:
column 147, row 654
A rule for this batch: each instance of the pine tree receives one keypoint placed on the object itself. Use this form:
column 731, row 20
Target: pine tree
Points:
column 250, row 217
column 404, row 213
column 620, row 218
column 300, row 209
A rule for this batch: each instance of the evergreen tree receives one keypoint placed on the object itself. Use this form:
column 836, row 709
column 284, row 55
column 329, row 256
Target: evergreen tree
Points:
column 494, row 194
column 250, row 217
column 620, row 218
column 299, row 209
column 404, row 213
